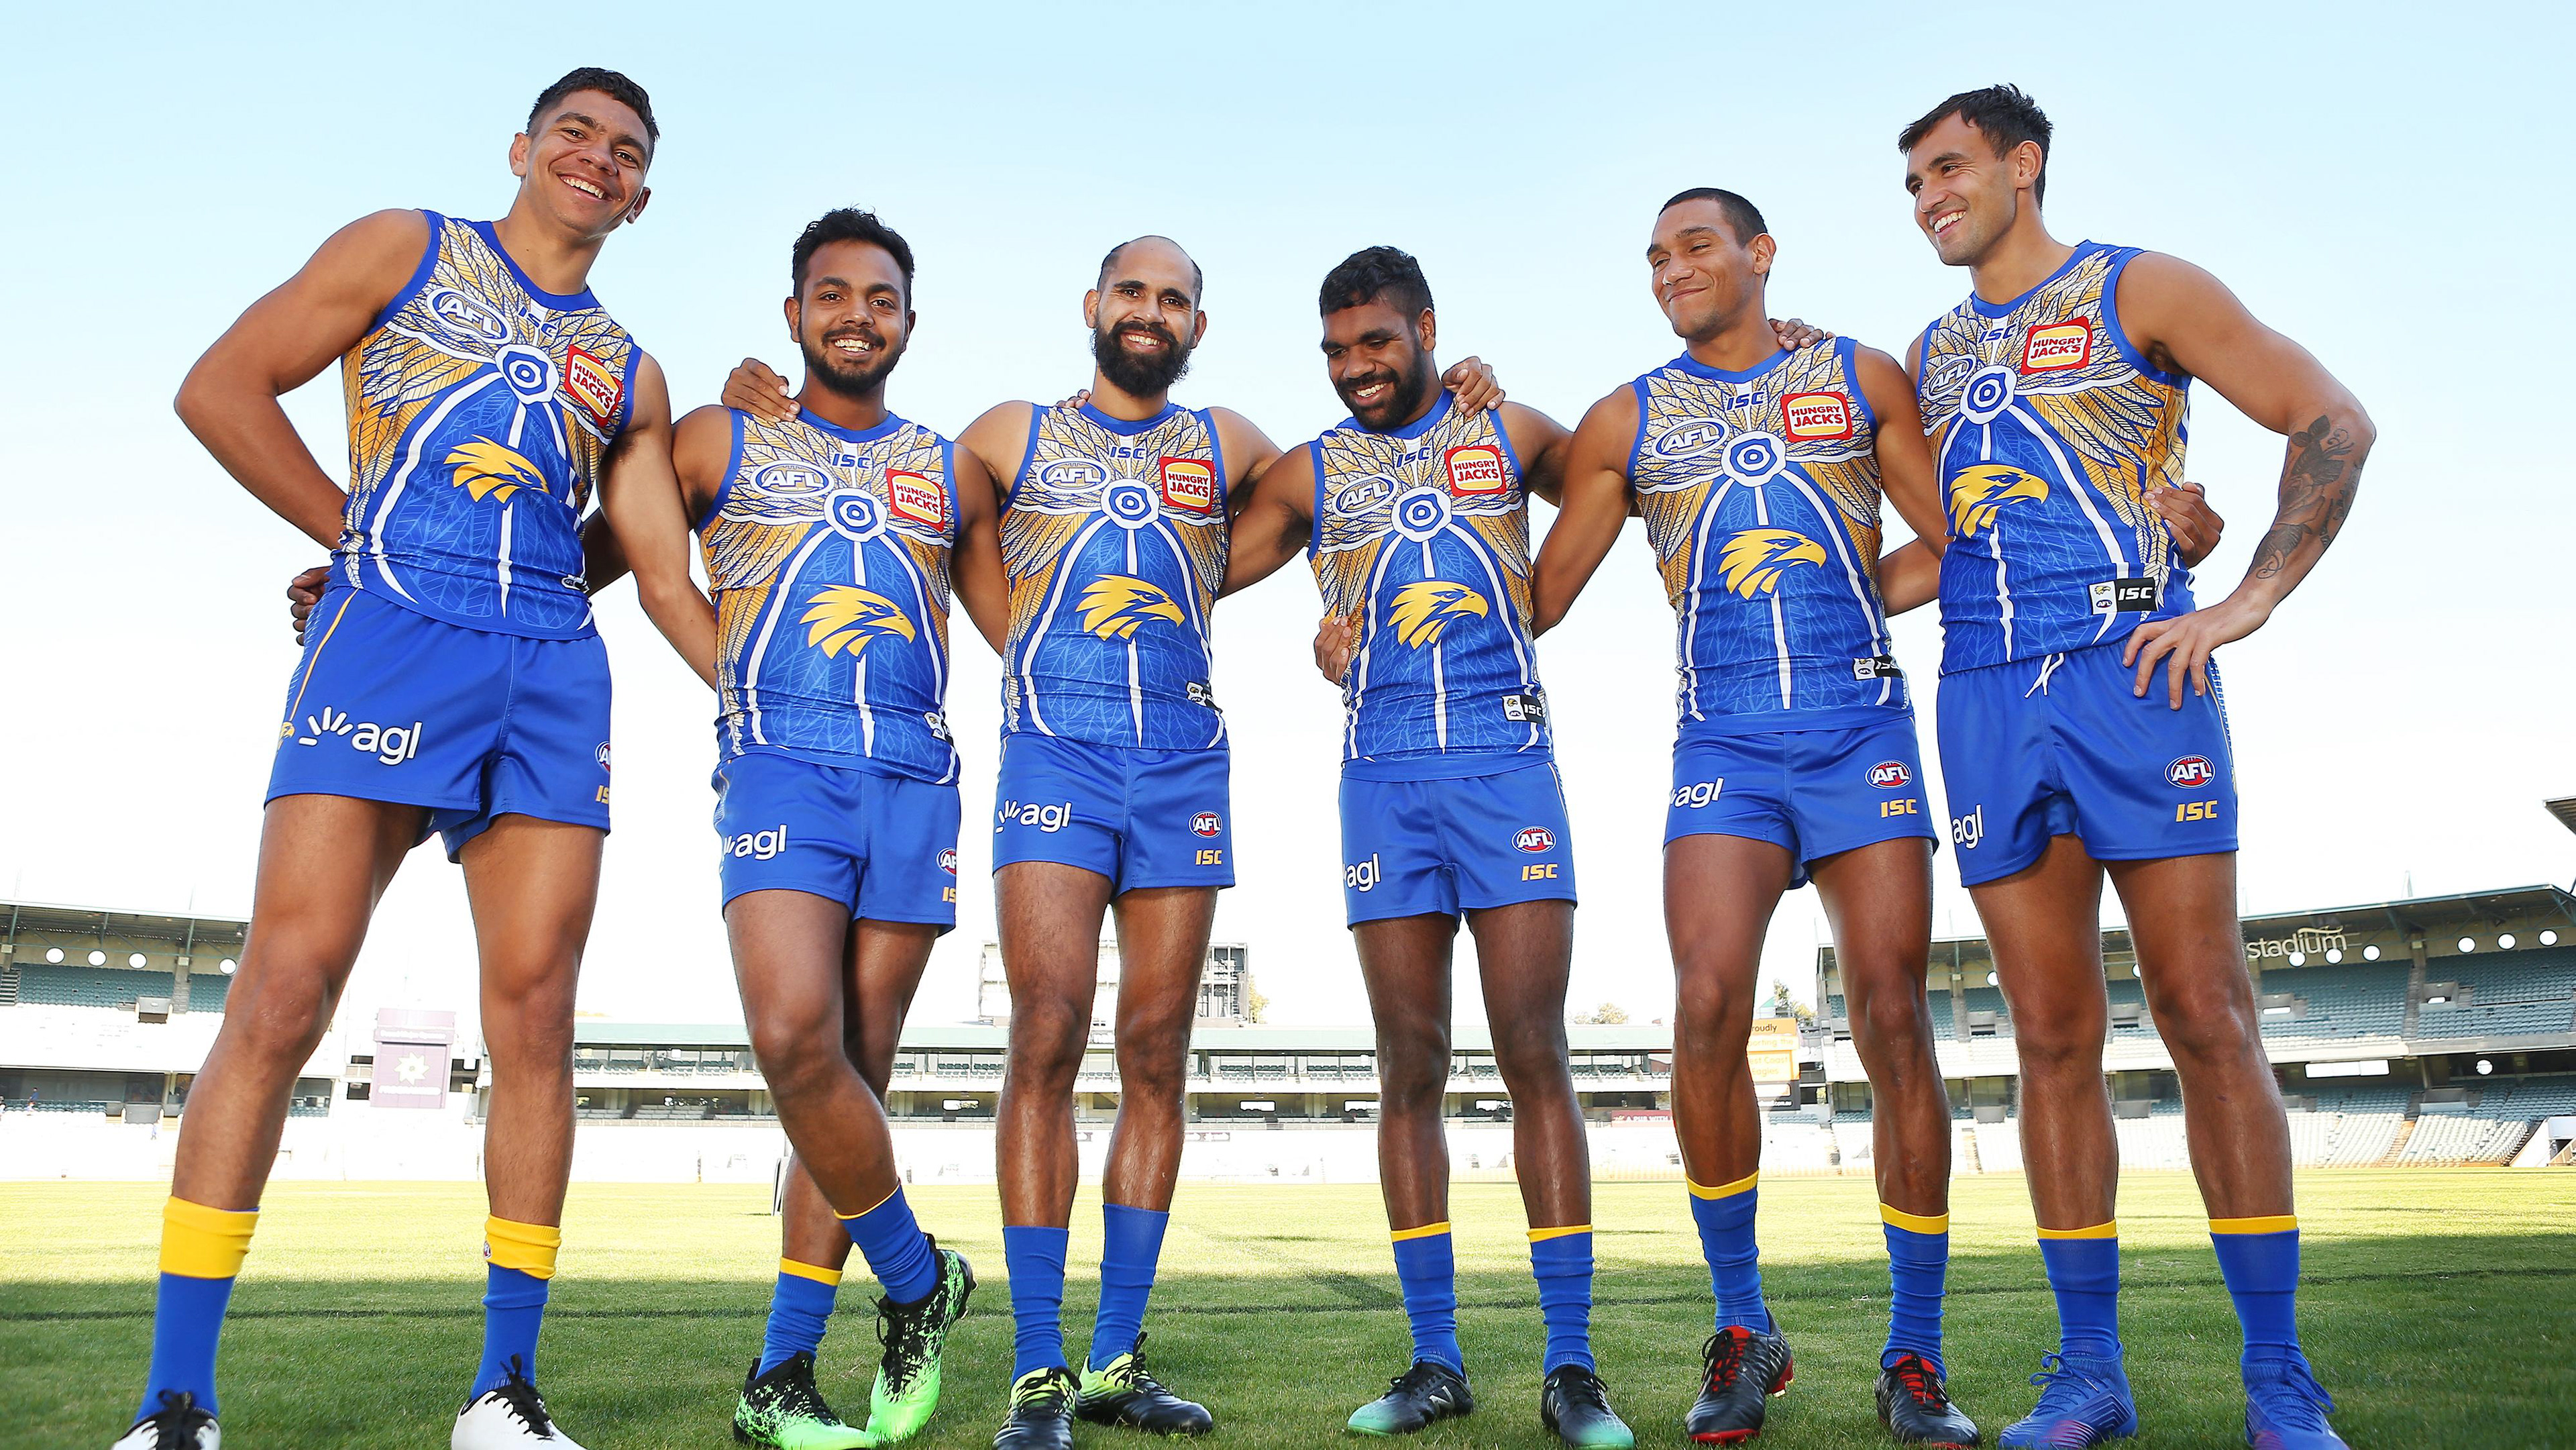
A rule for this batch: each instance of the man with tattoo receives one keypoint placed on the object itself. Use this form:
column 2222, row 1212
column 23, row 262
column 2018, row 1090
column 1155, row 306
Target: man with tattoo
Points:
column 2054, row 398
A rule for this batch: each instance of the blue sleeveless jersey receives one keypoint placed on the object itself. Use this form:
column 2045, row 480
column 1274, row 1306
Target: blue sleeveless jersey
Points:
column 2048, row 428
column 1760, row 495
column 1426, row 531
column 1114, row 541
column 481, row 410
column 828, row 552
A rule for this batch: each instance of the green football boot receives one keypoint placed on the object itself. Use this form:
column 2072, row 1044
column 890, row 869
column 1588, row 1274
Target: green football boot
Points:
column 784, row 1411
column 1121, row 1392
column 907, row 1387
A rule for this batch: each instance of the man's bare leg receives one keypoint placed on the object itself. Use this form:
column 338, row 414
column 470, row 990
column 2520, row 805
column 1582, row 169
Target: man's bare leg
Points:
column 1405, row 964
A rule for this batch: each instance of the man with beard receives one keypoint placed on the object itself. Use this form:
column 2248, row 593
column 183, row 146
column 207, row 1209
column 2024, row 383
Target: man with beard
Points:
column 830, row 541
column 1415, row 513
column 1112, row 795
column 2055, row 395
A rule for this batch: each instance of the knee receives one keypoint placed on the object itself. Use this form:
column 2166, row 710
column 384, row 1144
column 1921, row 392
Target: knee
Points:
column 1413, row 1070
column 793, row 1048
column 2204, row 1021
column 1046, row 1044
column 1152, row 1064
column 1708, row 1016
column 282, row 1018
column 1890, row 1025
column 2057, row 1041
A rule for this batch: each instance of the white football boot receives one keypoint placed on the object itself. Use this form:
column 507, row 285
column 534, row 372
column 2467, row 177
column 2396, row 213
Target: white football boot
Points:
column 178, row 1425
column 512, row 1417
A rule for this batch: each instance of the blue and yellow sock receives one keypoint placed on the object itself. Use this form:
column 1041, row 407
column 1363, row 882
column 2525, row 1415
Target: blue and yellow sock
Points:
column 800, row 1308
column 1426, row 1269
column 1034, row 1256
column 897, row 1251
column 1918, row 1264
column 201, row 1254
column 2084, row 1273
column 518, row 1263
column 2259, row 1258
column 1131, row 1244
column 1561, row 1261
column 1725, row 1217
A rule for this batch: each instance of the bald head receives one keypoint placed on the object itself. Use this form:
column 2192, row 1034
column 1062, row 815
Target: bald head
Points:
column 1160, row 252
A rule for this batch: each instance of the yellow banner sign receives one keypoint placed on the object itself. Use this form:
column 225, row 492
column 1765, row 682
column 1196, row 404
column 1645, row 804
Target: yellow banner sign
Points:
column 1773, row 1050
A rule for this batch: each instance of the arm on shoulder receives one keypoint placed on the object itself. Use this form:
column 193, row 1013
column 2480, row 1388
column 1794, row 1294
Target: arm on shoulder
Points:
column 1539, row 442
column 1596, row 496
column 982, row 585
column 1276, row 518
column 1248, row 450
column 1905, row 472
column 999, row 439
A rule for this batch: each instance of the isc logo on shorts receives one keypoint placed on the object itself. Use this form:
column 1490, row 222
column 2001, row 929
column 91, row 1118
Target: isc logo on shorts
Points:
column 2192, row 772
column 2057, row 347
column 1188, row 483
column 948, row 860
column 918, row 497
column 1047, row 818
column 758, row 845
column 1966, row 831
column 593, row 385
column 1890, row 775
column 1205, row 823
column 1700, row 793
column 1535, row 839
column 1361, row 875
column 1816, row 415
column 1474, row 468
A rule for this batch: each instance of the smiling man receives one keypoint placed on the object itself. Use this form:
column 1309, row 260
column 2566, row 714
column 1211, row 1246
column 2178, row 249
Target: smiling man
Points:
column 2055, row 398
column 453, row 683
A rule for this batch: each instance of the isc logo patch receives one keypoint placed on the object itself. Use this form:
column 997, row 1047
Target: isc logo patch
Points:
column 1205, row 823
column 1890, row 775
column 1474, row 468
column 1188, row 483
column 1816, row 415
column 1535, row 839
column 918, row 497
column 593, row 385
column 2057, row 347
column 2192, row 772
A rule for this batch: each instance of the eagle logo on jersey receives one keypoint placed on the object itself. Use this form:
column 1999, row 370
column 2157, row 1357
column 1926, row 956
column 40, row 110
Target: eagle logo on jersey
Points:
column 1977, row 492
column 1754, row 559
column 1424, row 608
column 846, row 618
column 1116, row 606
column 486, row 469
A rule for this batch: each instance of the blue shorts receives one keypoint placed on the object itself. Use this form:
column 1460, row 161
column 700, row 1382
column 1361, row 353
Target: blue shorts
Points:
column 390, row 705
column 1142, row 818
column 882, row 845
column 1424, row 847
column 1814, row 793
column 2063, row 746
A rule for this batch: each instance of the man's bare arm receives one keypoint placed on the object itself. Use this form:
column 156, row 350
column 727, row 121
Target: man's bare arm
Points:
column 1248, row 452
column 229, row 399
column 653, row 472
column 1276, row 520
column 1593, row 504
column 1539, row 441
column 2188, row 322
column 976, row 563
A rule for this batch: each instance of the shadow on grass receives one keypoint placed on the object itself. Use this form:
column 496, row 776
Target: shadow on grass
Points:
column 2429, row 1341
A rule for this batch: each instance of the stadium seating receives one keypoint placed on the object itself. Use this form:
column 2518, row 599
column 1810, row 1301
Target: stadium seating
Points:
column 2512, row 993
column 2343, row 1001
column 2453, row 1139
column 67, row 985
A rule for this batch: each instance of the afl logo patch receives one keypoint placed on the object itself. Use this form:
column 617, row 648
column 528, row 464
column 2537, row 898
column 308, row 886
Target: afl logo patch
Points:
column 1474, row 468
column 1890, row 775
column 1807, row 416
column 593, row 385
column 918, row 497
column 2057, row 347
column 948, row 860
column 1205, row 823
column 1688, row 440
column 1535, row 839
column 2191, row 773
column 1188, row 483
column 601, row 755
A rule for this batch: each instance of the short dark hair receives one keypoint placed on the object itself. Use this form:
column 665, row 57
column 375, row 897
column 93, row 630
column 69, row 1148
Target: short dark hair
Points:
column 1372, row 273
column 1742, row 216
column 608, row 83
column 1198, row 278
column 2003, row 114
column 850, row 224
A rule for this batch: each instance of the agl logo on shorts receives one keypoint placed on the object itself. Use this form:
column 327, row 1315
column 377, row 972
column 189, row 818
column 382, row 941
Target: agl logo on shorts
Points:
column 1816, row 415
column 2057, row 347
column 1047, row 818
column 1966, row 831
column 390, row 744
column 2191, row 773
column 1698, row 793
column 1361, row 875
column 1205, row 823
column 1890, row 774
column 1535, row 839
column 758, row 845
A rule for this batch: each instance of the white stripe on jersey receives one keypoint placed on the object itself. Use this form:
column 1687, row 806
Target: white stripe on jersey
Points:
column 1039, row 627
column 2082, row 487
column 1879, row 641
column 411, row 459
column 780, row 602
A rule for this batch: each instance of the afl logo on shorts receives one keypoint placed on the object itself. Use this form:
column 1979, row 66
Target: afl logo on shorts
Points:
column 2192, row 772
column 593, row 385
column 1205, row 823
column 1474, row 468
column 1188, row 483
column 1809, row 416
column 1890, row 775
column 601, row 755
column 948, row 860
column 1535, row 839
column 918, row 497
column 2057, row 347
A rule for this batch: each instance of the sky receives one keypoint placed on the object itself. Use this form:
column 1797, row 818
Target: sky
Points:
column 2374, row 185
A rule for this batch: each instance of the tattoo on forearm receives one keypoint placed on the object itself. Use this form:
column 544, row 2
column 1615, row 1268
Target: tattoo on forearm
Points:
column 2317, row 486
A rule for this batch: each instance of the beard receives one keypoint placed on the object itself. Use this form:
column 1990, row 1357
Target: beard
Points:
column 849, row 377
column 1401, row 401
column 1139, row 376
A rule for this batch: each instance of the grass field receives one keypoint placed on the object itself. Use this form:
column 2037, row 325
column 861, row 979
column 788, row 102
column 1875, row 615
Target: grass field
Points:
column 2440, row 1308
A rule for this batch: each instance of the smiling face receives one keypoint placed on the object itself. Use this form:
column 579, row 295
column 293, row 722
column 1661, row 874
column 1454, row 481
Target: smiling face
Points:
column 583, row 164
column 1380, row 362
column 1704, row 275
column 1145, row 317
column 1966, row 197
column 850, row 316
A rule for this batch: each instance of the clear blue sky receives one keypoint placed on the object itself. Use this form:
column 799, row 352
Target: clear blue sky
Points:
column 2384, row 185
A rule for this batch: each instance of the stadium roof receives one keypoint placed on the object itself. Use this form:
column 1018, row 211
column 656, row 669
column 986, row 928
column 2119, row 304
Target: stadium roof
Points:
column 2564, row 808
column 53, row 918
